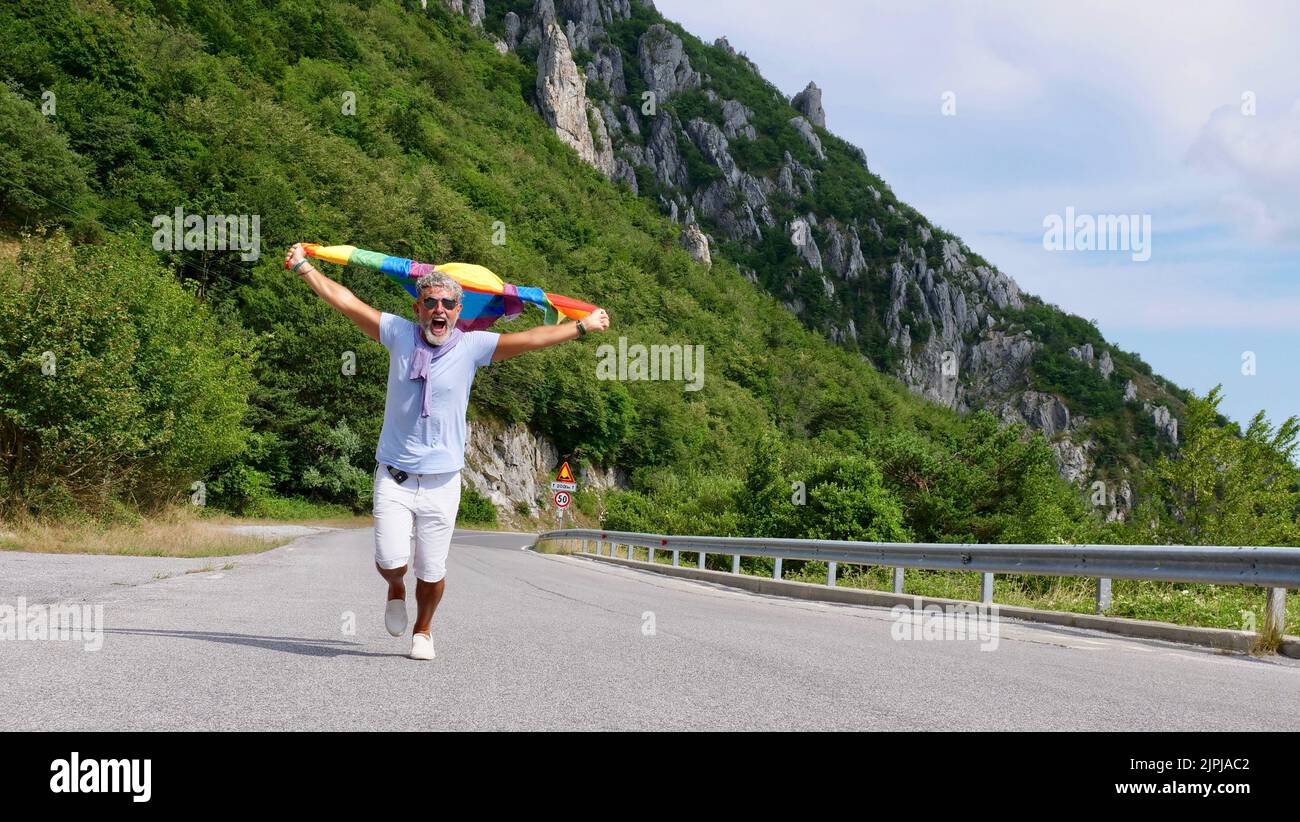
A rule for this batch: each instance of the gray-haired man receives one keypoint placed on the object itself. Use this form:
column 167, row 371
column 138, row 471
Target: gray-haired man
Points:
column 431, row 366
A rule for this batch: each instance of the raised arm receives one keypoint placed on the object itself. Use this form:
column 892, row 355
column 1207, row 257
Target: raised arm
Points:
column 512, row 345
column 336, row 294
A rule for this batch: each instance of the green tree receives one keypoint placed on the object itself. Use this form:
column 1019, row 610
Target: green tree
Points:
column 41, row 179
column 115, row 383
column 1223, row 488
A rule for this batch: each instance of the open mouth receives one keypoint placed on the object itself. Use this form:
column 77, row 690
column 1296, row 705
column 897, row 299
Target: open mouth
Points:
column 438, row 326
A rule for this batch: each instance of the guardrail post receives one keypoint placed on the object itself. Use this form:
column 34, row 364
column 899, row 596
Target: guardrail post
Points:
column 701, row 560
column 1275, row 611
column 898, row 580
column 1103, row 596
column 986, row 589
column 735, row 563
column 830, row 575
column 676, row 561
column 650, row 554
column 630, row 549
column 776, row 570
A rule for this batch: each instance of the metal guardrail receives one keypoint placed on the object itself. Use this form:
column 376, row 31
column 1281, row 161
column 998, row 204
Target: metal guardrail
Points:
column 1274, row 568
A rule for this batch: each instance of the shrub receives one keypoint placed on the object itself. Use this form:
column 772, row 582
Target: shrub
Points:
column 114, row 381
column 474, row 507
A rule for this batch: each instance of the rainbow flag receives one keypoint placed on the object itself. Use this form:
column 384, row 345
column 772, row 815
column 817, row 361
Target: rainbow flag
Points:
column 486, row 299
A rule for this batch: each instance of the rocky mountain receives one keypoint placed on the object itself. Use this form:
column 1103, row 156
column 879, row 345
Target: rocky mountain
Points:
column 756, row 177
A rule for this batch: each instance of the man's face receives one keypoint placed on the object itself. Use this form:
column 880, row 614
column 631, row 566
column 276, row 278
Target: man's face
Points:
column 437, row 322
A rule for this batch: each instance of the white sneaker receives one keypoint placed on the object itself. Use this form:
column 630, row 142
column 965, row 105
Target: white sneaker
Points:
column 395, row 616
column 421, row 646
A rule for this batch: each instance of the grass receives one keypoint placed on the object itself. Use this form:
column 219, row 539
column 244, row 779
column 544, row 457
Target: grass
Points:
column 1206, row 606
column 298, row 510
column 178, row 532
column 469, row 525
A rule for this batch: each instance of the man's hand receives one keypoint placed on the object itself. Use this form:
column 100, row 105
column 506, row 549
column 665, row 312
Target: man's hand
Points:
column 294, row 255
column 597, row 320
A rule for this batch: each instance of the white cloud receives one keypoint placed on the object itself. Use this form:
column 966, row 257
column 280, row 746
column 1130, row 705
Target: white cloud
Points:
column 1260, row 156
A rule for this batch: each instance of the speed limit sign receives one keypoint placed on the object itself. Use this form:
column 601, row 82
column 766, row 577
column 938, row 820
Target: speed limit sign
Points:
column 561, row 499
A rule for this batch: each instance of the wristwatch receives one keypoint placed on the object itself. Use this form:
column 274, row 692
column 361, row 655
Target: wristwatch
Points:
column 582, row 329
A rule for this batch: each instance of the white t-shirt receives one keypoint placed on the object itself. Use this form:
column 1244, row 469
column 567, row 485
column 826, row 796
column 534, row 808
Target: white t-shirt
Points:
column 436, row 443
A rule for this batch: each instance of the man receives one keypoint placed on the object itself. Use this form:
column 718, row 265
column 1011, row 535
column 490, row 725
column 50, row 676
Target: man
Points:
column 431, row 365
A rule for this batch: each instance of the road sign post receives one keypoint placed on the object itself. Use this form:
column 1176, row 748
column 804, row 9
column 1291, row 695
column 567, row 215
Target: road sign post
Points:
column 563, row 486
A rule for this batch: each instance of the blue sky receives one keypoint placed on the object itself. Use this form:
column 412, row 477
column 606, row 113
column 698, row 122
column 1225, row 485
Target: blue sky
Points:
column 1106, row 107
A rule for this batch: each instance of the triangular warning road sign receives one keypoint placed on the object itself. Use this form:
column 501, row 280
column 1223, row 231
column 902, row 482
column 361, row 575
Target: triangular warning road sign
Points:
column 565, row 474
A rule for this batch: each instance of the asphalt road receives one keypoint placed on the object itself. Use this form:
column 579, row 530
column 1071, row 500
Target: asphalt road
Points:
column 294, row 639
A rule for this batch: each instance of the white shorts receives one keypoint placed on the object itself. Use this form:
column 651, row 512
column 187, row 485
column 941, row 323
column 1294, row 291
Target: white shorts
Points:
column 429, row 503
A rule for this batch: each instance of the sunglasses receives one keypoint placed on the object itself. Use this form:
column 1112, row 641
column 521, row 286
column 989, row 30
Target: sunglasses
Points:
column 448, row 303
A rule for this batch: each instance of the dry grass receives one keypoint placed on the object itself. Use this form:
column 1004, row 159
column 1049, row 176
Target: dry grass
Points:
column 559, row 546
column 179, row 532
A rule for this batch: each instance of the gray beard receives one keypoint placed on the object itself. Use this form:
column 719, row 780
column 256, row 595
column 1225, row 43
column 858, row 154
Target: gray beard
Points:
column 431, row 340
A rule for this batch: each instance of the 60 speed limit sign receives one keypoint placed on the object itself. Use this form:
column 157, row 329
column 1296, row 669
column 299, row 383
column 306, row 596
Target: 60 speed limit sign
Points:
column 561, row 499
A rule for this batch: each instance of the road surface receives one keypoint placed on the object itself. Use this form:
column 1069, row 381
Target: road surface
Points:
column 294, row 639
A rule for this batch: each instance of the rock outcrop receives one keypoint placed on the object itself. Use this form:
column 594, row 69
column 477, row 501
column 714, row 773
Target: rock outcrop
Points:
column 696, row 244
column 809, row 103
column 606, row 68
column 512, row 467
column 794, row 178
column 664, row 65
column 582, row 22
column 1072, row 460
column 844, row 250
column 1119, row 498
column 948, row 305
column 809, row 136
column 1044, row 412
column 996, row 364
column 712, row 143
column 1105, row 365
column 512, row 30
column 738, row 201
column 563, row 103
column 1164, row 420
column 470, row 9
column 539, row 21
column 661, row 153
column 604, row 147
column 735, row 120
column 801, row 237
